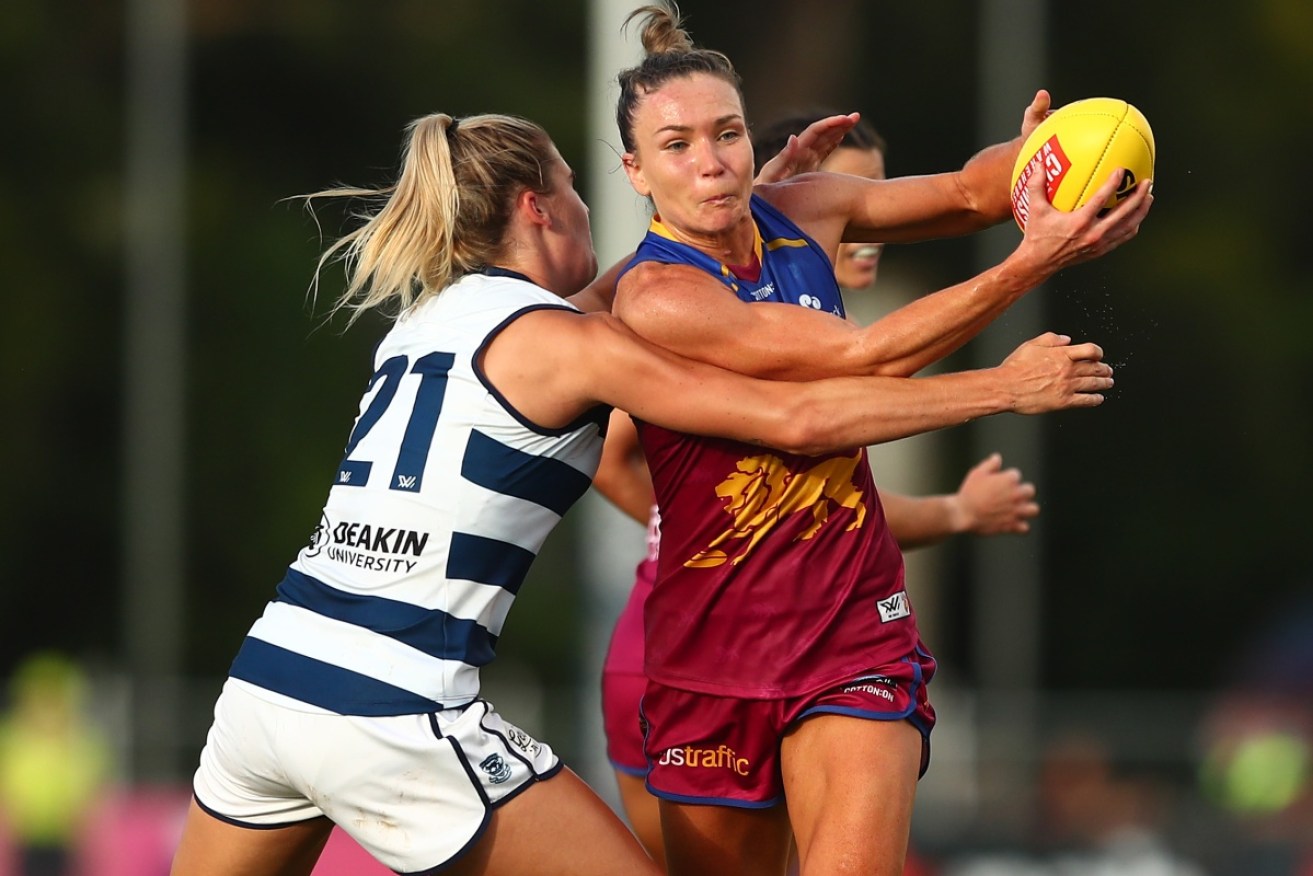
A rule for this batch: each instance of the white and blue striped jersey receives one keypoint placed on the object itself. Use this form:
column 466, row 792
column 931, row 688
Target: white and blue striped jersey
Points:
column 439, row 506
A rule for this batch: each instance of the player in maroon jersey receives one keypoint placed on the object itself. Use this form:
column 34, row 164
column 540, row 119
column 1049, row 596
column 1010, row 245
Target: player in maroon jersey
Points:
column 989, row 500
column 782, row 651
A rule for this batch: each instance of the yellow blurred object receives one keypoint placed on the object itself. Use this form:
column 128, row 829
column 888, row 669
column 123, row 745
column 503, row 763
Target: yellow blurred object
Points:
column 1261, row 774
column 53, row 763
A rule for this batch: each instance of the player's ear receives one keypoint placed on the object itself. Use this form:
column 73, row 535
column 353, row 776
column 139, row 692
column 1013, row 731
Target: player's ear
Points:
column 533, row 207
column 634, row 170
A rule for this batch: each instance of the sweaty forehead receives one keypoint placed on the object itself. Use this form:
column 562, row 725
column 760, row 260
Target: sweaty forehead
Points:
column 689, row 100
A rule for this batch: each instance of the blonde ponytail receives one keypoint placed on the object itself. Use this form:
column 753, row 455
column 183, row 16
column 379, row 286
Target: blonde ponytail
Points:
column 446, row 215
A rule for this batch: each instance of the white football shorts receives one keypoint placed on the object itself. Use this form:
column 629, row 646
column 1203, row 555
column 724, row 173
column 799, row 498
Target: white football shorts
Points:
column 415, row 791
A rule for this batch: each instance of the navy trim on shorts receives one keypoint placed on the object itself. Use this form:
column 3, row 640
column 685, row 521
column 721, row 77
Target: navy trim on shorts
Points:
column 478, row 786
column 535, row 778
column 636, row 772
column 713, row 801
column 488, row 806
column 246, row 824
column 469, row 773
column 872, row 714
column 910, row 715
column 514, row 750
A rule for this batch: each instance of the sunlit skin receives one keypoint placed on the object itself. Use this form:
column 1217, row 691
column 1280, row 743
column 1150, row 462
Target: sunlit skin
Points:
column 693, row 157
column 567, row 238
column 856, row 264
column 850, row 783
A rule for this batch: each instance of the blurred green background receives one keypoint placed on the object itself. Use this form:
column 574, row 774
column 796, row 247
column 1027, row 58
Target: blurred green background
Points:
column 1176, row 517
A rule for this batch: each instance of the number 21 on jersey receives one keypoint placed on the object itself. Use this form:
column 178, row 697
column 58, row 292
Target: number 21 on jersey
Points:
column 412, row 450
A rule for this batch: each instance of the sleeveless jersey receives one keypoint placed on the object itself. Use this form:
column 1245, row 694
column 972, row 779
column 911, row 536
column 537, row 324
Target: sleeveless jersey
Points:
column 442, row 500
column 777, row 575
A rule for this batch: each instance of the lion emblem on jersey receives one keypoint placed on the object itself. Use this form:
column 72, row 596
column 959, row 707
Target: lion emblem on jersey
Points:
column 762, row 492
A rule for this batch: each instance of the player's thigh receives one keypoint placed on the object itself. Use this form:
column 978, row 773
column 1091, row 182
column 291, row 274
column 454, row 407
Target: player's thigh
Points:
column 850, row 785
column 644, row 814
column 557, row 827
column 211, row 847
column 706, row 840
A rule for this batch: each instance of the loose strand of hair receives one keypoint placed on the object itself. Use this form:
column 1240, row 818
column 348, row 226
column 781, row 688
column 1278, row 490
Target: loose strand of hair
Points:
column 402, row 251
column 662, row 29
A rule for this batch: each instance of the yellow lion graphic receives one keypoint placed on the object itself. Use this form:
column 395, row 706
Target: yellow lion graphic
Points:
column 762, row 492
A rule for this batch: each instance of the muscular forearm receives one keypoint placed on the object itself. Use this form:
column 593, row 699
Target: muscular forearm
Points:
column 918, row 521
column 852, row 412
column 1047, row 373
column 986, row 181
column 930, row 328
column 785, row 342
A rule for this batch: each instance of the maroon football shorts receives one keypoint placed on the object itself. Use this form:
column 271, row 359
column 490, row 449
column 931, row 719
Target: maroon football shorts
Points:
column 726, row 751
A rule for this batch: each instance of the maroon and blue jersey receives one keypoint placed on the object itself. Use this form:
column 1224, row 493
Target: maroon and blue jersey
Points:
column 794, row 269
column 777, row 573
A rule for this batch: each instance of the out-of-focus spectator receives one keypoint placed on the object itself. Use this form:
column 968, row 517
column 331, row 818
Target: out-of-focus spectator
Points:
column 1096, row 820
column 1093, row 819
column 54, row 763
column 1256, row 745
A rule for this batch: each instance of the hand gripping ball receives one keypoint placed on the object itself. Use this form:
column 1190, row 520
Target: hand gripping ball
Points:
column 1078, row 146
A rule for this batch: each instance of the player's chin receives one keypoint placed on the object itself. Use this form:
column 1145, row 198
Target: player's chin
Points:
column 721, row 218
column 855, row 276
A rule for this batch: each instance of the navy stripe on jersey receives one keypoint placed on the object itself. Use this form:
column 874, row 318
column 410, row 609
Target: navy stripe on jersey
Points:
column 322, row 684
column 539, row 479
column 488, row 561
column 425, row 629
column 411, row 583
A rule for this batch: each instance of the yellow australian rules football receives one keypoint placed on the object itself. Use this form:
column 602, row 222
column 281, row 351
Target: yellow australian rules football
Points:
column 1077, row 147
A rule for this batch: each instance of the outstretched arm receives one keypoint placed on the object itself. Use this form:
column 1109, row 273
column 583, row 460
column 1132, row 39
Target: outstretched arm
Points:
column 554, row 365
column 692, row 313
column 910, row 208
column 991, row 500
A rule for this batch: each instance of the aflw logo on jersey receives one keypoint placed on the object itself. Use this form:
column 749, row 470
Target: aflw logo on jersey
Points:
column 894, row 607
column 367, row 546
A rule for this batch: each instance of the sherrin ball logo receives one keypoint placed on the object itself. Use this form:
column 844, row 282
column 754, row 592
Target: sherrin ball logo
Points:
column 1077, row 147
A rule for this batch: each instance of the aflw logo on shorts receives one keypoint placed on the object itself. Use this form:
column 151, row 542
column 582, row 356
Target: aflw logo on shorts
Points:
column 894, row 607
column 720, row 757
